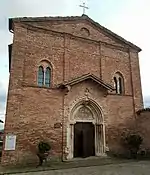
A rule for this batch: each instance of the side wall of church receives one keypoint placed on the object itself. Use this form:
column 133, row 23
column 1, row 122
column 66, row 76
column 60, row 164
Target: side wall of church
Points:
column 136, row 80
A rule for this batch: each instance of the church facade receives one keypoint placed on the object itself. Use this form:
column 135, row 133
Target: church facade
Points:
column 73, row 83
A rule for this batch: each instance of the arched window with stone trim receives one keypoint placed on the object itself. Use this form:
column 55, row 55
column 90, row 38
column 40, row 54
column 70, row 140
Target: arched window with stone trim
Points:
column 41, row 76
column 119, row 83
column 44, row 74
column 47, row 77
column 115, row 84
column 85, row 32
column 121, row 86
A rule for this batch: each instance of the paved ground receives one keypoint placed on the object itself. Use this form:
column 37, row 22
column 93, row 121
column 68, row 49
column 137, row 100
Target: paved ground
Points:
column 130, row 168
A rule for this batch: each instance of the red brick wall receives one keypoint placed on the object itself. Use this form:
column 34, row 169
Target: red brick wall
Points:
column 142, row 125
column 32, row 111
column 136, row 82
column 74, row 27
column 116, row 61
column 83, row 58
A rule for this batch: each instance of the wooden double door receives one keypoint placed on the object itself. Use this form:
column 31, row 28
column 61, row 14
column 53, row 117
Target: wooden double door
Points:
column 84, row 140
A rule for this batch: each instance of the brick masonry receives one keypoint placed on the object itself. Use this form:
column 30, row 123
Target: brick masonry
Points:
column 33, row 111
column 142, row 125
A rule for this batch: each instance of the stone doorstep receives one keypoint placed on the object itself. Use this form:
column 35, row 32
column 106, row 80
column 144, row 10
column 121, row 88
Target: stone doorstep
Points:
column 87, row 162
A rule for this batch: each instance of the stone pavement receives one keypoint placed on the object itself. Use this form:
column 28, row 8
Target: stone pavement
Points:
column 130, row 168
column 57, row 165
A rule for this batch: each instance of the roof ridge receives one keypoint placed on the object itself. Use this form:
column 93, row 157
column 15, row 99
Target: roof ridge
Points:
column 43, row 17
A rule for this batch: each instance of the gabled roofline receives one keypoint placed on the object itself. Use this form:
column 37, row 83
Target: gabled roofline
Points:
column 113, row 34
column 67, row 18
column 86, row 77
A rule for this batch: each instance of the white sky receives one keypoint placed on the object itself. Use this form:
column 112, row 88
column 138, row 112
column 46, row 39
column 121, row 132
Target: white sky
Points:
column 128, row 18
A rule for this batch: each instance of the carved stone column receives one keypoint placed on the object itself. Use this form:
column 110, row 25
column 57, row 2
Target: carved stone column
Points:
column 99, row 140
column 70, row 141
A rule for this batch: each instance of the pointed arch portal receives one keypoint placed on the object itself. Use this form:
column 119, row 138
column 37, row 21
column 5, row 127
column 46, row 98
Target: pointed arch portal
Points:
column 86, row 134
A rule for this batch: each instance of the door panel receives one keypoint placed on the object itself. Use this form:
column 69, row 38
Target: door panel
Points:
column 88, row 140
column 78, row 140
column 84, row 140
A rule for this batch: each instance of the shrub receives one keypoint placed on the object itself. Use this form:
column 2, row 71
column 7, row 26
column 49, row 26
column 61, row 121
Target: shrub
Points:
column 142, row 110
column 133, row 142
column 44, row 147
column 43, row 151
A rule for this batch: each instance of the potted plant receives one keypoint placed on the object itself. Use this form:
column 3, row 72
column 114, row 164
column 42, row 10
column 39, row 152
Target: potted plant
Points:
column 43, row 151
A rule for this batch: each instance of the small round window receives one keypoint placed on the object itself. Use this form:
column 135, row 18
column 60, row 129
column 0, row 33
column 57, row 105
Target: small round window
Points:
column 85, row 31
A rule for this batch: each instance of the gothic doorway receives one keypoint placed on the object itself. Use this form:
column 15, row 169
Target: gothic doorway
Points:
column 84, row 139
column 86, row 130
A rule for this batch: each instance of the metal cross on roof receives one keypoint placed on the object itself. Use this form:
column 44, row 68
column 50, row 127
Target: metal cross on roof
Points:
column 84, row 7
